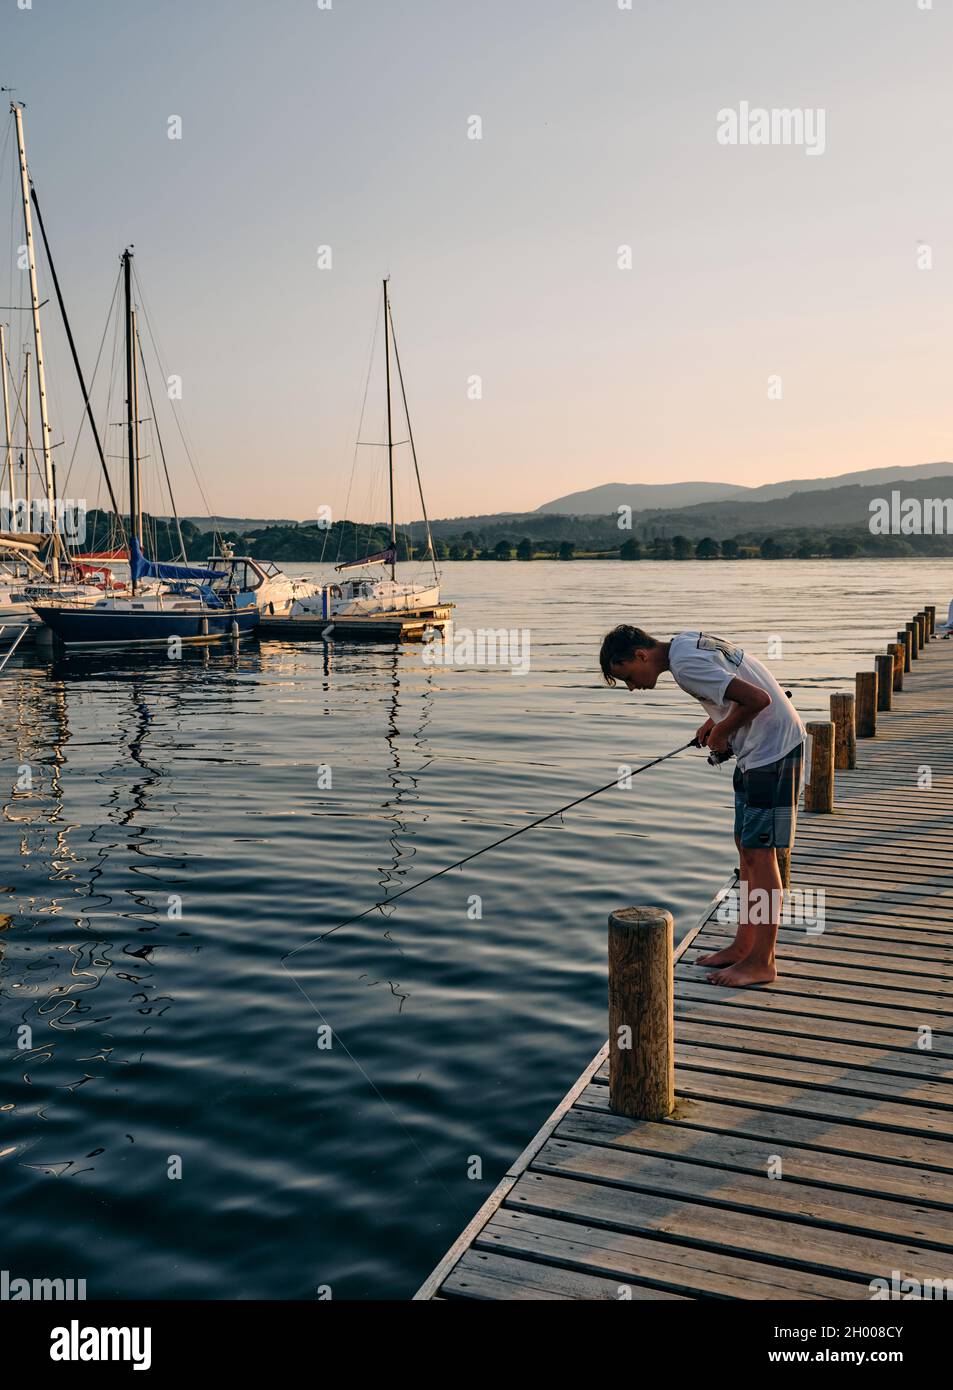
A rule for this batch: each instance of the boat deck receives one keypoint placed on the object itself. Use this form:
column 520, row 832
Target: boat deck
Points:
column 397, row 627
column 811, row 1148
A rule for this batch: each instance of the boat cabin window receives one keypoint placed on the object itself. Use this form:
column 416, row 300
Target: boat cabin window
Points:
column 241, row 575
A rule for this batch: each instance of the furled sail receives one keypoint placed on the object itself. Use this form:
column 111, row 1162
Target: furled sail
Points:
column 141, row 568
column 382, row 557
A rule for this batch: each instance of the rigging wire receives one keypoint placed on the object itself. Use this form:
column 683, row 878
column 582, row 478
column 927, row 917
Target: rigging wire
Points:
column 468, row 858
column 165, row 468
column 88, row 411
column 116, row 388
column 176, row 415
column 413, row 447
column 92, row 381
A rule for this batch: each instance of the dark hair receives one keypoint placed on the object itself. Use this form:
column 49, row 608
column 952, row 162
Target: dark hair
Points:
column 619, row 645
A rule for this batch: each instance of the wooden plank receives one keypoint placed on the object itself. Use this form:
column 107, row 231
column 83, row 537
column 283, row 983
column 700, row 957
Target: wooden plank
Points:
column 837, row 913
column 813, row 1006
column 897, row 959
column 840, row 897
column 903, row 894
column 678, row 1268
column 928, row 1101
column 823, row 948
column 860, row 854
column 734, row 1114
column 485, row 1274
column 781, row 1242
column 778, row 1198
column 767, row 1023
column 724, row 1148
column 709, row 1083
column 902, row 1064
column 839, row 984
column 903, row 897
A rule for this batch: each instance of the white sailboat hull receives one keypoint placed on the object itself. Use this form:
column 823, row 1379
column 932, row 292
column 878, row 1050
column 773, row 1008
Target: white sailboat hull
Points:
column 367, row 598
column 277, row 596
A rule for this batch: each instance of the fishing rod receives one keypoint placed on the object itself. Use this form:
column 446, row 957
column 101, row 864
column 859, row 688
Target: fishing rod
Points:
column 412, row 888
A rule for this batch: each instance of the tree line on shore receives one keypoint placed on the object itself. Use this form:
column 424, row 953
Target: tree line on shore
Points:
column 346, row 541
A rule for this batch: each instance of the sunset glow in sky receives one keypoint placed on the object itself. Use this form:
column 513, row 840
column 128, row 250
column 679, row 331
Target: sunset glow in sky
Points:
column 348, row 127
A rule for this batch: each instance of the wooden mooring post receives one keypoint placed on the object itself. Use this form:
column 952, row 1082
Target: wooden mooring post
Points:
column 913, row 632
column 921, row 621
column 904, row 639
column 641, row 1013
column 865, row 713
column 819, row 787
column 896, row 651
column 884, row 665
column 930, row 611
column 845, row 739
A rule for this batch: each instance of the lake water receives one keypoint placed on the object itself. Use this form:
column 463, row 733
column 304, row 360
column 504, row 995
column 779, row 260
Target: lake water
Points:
column 168, row 836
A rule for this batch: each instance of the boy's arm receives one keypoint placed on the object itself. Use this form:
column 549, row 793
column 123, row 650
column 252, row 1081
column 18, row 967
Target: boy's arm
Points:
column 748, row 700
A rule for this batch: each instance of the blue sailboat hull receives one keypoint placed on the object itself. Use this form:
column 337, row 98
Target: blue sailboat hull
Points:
column 97, row 627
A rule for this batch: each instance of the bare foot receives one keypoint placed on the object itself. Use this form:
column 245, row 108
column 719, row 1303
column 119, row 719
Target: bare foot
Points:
column 728, row 956
column 746, row 972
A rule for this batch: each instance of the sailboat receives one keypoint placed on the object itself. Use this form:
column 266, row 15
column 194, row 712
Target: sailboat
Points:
column 275, row 592
column 382, row 594
column 27, row 555
column 35, row 565
column 190, row 604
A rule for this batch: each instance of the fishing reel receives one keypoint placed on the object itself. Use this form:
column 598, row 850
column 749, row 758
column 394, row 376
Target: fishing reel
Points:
column 714, row 759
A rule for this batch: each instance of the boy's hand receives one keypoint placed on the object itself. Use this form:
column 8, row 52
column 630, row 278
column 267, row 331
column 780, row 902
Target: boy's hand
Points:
column 704, row 731
column 719, row 738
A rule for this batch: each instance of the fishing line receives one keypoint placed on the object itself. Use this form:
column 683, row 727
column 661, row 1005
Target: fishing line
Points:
column 411, row 888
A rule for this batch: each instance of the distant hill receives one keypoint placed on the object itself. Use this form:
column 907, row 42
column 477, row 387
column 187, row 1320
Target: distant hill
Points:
column 234, row 523
column 653, row 496
column 847, row 507
column 863, row 478
column 639, row 496
column 843, row 509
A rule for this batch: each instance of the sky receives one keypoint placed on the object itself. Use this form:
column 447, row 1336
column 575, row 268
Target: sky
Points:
column 786, row 313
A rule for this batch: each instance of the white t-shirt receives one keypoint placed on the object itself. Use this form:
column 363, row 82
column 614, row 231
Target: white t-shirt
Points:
column 704, row 666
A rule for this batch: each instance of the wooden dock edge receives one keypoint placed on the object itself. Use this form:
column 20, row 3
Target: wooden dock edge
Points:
column 432, row 1283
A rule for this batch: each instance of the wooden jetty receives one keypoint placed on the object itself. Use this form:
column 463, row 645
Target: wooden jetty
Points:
column 810, row 1148
column 388, row 627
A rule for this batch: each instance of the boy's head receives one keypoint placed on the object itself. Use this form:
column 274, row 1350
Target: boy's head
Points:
column 631, row 656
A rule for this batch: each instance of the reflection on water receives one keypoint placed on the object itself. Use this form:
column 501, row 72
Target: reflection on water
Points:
column 179, row 839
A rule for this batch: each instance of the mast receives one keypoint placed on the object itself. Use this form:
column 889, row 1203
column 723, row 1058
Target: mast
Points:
column 8, row 453
column 390, row 434
column 17, row 109
column 27, row 447
column 413, row 451
column 135, row 515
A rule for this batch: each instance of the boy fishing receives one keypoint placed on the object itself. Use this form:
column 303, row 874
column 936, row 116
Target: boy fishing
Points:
column 750, row 716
